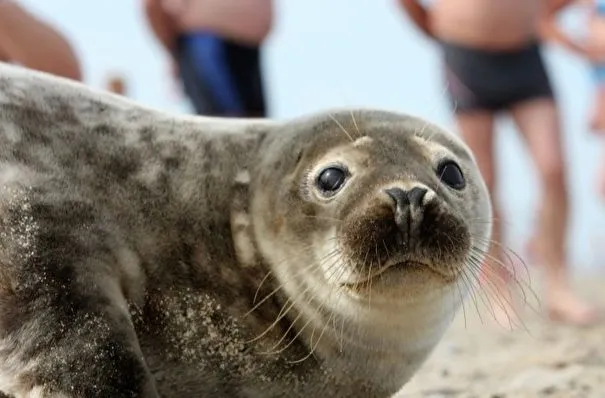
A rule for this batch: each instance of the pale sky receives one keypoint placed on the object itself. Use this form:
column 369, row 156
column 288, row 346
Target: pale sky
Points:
column 348, row 53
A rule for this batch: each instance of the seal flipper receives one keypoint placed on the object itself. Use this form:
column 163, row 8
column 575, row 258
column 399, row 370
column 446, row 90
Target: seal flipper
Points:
column 65, row 329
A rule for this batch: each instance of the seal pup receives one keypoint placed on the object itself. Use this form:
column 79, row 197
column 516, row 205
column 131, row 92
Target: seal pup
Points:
column 144, row 254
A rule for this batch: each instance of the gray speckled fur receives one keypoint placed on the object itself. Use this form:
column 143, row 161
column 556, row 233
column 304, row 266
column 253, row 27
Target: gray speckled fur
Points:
column 118, row 272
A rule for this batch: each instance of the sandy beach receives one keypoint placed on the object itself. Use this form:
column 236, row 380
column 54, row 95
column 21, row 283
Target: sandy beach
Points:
column 478, row 358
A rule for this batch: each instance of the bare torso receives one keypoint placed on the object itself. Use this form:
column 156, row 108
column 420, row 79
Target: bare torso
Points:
column 242, row 20
column 489, row 24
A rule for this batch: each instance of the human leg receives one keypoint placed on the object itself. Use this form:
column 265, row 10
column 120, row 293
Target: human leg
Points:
column 597, row 119
column 538, row 121
column 472, row 78
column 601, row 175
column 477, row 130
column 597, row 122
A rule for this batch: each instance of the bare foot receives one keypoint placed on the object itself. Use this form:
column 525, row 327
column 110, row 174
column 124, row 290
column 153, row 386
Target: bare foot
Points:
column 569, row 309
column 563, row 305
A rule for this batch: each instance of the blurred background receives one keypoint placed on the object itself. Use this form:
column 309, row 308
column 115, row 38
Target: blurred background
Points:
column 355, row 53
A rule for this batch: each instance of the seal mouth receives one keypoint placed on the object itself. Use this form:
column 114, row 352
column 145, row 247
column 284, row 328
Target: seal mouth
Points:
column 389, row 265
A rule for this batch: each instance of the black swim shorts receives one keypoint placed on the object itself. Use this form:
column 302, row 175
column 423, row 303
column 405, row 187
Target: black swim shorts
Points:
column 494, row 80
column 221, row 77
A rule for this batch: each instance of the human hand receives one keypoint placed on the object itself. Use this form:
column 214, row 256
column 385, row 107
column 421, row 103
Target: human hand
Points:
column 593, row 53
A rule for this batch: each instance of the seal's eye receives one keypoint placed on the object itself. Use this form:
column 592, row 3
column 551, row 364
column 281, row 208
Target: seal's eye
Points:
column 450, row 174
column 331, row 179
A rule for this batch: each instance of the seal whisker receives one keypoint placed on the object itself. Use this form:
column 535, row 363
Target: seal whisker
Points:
column 519, row 283
column 499, row 297
column 279, row 287
column 367, row 265
column 301, row 330
column 285, row 334
column 302, row 252
column 499, row 263
column 267, row 275
column 510, row 266
column 339, row 295
column 355, row 122
column 474, row 280
column 513, row 275
column 420, row 132
column 508, row 252
column 369, row 275
column 476, row 265
column 460, row 300
column 341, row 340
column 491, row 220
column 469, row 283
column 314, row 347
column 461, row 297
column 324, row 218
column 438, row 248
column 510, row 271
column 472, row 291
column 283, row 311
column 294, row 301
column 341, row 127
column 300, row 313
column 430, row 138
column 487, row 296
column 471, row 279
column 326, row 323
column 295, row 338
column 333, row 316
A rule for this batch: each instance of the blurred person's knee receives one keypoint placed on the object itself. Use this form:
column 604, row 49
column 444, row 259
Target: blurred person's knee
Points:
column 553, row 175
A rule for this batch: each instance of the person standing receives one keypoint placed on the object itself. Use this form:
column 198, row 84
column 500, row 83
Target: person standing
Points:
column 215, row 48
column 591, row 48
column 116, row 83
column 492, row 63
column 32, row 43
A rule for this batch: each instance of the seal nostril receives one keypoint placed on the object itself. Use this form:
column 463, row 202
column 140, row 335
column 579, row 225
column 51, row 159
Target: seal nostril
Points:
column 416, row 195
column 399, row 196
column 405, row 198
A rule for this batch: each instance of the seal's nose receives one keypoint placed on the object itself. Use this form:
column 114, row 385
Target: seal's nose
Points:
column 404, row 199
column 408, row 212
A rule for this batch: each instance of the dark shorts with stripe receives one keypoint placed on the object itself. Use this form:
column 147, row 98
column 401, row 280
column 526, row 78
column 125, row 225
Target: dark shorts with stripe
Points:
column 494, row 80
column 221, row 77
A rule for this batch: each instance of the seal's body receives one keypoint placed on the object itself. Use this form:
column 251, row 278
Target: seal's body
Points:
column 147, row 255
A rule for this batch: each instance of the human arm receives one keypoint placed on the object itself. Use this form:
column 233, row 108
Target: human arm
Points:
column 27, row 40
column 161, row 24
column 417, row 14
column 550, row 31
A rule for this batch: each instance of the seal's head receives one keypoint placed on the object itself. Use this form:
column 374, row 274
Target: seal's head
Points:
column 375, row 219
